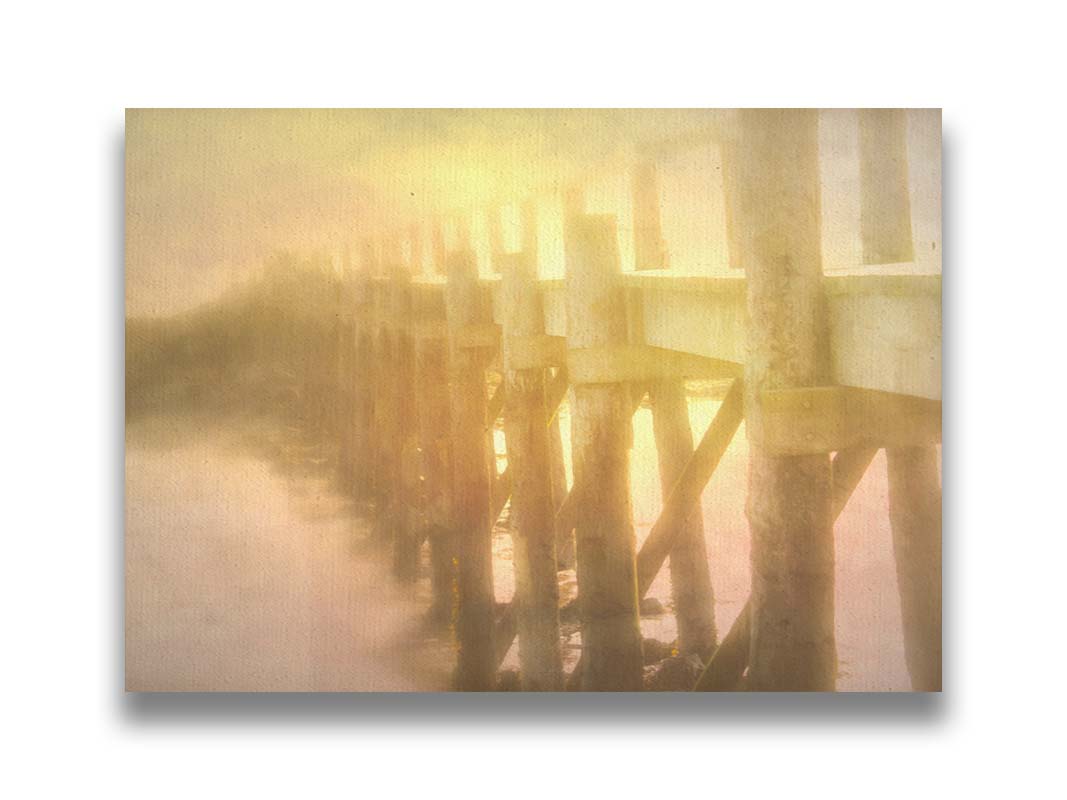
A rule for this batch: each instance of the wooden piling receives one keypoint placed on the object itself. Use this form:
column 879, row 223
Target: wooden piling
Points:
column 915, row 515
column 435, row 444
column 776, row 189
column 405, row 469
column 914, row 478
column 345, row 387
column 386, row 422
column 471, row 488
column 367, row 365
column 362, row 447
column 724, row 672
column 565, row 556
column 694, row 600
column 533, row 507
column 885, row 206
column 558, row 473
column 601, row 438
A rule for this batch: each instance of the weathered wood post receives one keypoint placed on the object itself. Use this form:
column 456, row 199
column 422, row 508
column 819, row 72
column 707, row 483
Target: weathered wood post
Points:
column 557, row 468
column 694, row 600
column 601, row 439
column 915, row 516
column 558, row 473
column 390, row 408
column 533, row 507
column 914, row 480
column 364, row 371
column 343, row 430
column 885, row 206
column 383, row 416
column 435, row 440
column 573, row 201
column 495, row 233
column 403, row 475
column 789, row 503
column 364, row 413
column 472, row 483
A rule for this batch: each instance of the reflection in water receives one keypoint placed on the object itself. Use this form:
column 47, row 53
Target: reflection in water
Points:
column 249, row 566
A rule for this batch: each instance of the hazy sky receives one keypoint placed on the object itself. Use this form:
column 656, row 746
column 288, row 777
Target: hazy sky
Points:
column 211, row 194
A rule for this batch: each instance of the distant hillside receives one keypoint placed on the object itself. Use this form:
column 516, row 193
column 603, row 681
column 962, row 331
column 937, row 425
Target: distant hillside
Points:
column 262, row 349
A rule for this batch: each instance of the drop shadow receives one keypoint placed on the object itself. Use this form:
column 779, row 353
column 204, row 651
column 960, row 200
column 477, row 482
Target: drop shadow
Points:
column 527, row 710
column 516, row 710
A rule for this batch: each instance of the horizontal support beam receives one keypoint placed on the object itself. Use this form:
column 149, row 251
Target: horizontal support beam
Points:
column 884, row 328
column 640, row 363
column 831, row 418
column 535, row 352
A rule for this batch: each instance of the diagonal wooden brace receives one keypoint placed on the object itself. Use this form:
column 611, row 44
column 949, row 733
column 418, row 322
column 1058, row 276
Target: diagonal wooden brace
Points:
column 554, row 394
column 496, row 404
column 728, row 664
column 687, row 489
column 685, row 494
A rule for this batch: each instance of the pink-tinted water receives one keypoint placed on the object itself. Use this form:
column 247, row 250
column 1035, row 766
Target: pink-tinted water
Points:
column 245, row 573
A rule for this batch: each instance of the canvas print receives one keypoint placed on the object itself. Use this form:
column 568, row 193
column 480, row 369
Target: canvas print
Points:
column 566, row 400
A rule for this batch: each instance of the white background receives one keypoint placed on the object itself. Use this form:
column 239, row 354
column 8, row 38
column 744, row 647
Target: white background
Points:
column 68, row 72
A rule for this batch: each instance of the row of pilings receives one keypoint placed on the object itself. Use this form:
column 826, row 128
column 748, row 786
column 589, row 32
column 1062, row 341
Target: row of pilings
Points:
column 418, row 439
